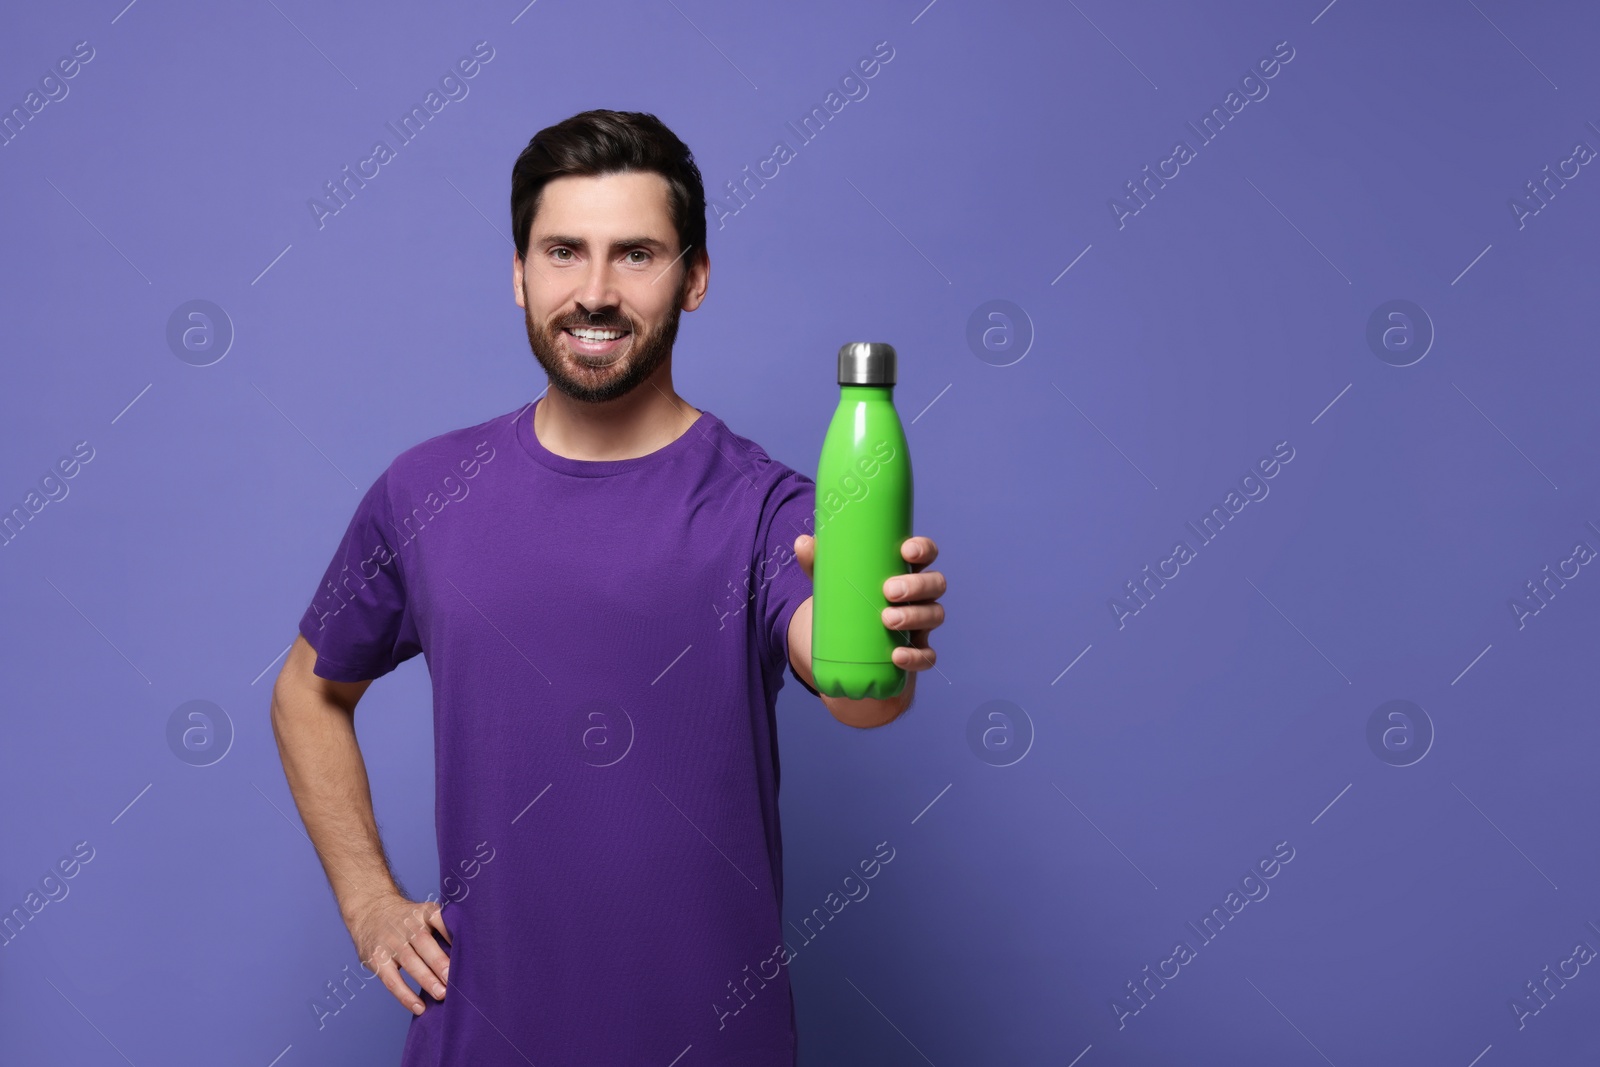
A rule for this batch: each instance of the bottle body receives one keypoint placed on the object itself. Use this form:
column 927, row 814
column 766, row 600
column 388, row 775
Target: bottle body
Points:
column 863, row 515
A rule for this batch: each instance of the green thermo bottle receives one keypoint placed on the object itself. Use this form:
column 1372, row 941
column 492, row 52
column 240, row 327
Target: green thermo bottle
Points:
column 863, row 515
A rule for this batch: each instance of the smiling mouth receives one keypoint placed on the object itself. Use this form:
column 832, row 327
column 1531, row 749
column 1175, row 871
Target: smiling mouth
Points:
column 594, row 336
column 591, row 344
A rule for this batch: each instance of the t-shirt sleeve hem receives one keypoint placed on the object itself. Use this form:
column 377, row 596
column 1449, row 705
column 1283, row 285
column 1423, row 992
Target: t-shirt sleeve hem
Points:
column 784, row 616
column 333, row 670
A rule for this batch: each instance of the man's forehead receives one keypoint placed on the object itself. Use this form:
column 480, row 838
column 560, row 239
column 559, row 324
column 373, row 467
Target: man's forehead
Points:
column 606, row 204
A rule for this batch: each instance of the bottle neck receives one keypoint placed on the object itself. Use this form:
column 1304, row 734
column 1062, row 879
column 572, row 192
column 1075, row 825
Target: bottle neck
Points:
column 865, row 392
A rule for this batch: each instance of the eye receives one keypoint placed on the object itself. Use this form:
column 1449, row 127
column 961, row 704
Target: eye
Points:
column 560, row 248
column 639, row 252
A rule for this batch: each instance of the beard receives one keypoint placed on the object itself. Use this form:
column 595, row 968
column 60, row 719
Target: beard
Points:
column 596, row 381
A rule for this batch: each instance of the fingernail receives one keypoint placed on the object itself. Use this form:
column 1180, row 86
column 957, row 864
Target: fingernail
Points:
column 896, row 617
column 438, row 991
column 897, row 588
column 416, row 1009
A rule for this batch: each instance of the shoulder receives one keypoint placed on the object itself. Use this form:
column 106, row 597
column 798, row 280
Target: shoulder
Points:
column 768, row 475
column 455, row 454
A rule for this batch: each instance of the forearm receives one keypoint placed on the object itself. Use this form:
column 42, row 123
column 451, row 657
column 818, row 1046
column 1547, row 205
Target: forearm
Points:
column 858, row 713
column 322, row 762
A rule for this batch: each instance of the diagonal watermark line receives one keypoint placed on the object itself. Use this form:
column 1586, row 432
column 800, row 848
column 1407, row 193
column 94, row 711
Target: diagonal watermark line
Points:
column 1113, row 44
column 313, row 44
column 530, row 804
column 901, row 232
column 1324, row 11
column 702, row 833
column 1474, row 263
column 132, row 402
column 101, row 232
column 1331, row 803
column 713, row 44
column 1509, row 441
column 669, row 666
column 124, row 11
column 274, row 662
column 1288, row 1020
column 931, row 803
column 1302, row 233
column 669, row 266
column 88, row 1020
column 274, row 263
column 455, row 991
column 886, row 1019
column 499, row 631
column 302, row 433
column 1332, row 402
column 1513, row 44
column 99, row 631
column 1474, row 662
column 1102, row 433
column 1502, row 833
column 932, row 402
column 1069, row 666
column 1301, row 632
column 1480, row 1056
column 924, row 11
column 131, row 803
column 1102, row 833
column 481, row 215
column 523, row 12
column 1069, row 266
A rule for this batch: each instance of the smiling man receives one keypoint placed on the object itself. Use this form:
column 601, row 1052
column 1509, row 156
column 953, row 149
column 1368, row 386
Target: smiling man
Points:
column 604, row 722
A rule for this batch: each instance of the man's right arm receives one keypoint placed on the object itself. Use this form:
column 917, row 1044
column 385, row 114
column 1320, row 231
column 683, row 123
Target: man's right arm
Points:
column 313, row 719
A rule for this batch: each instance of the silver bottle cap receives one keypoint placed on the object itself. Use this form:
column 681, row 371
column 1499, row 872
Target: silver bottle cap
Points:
column 867, row 363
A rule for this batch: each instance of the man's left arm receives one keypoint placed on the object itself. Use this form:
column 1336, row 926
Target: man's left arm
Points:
column 913, row 605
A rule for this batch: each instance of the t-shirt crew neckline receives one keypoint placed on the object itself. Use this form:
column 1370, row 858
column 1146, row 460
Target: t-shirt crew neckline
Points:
column 601, row 468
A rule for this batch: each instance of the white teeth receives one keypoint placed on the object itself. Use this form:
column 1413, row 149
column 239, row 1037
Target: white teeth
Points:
column 597, row 335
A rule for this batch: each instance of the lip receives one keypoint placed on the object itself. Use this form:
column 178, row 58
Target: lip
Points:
column 594, row 348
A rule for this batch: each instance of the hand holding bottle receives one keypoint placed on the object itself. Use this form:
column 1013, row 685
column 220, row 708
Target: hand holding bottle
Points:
column 913, row 599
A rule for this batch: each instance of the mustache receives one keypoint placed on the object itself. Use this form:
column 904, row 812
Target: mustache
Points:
column 602, row 322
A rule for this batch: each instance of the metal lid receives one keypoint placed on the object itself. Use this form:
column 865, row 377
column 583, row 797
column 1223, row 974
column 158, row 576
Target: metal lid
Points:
column 867, row 363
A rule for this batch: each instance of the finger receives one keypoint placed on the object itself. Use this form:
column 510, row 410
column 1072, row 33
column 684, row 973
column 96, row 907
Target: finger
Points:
column 919, row 550
column 390, row 974
column 910, row 588
column 436, row 920
column 913, row 657
column 436, row 958
column 914, row 617
column 419, row 971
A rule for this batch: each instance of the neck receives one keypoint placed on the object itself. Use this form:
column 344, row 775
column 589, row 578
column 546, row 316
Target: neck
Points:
column 625, row 427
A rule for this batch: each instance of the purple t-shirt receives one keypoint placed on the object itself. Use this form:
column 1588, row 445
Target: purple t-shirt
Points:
column 606, row 641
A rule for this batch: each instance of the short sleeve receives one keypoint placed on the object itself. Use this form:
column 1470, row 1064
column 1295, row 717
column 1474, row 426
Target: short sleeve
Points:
column 360, row 621
column 781, row 584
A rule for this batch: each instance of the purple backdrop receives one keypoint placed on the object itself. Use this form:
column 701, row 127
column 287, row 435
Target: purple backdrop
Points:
column 1335, row 346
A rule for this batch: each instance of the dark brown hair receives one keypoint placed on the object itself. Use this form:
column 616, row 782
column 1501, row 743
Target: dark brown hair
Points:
column 598, row 142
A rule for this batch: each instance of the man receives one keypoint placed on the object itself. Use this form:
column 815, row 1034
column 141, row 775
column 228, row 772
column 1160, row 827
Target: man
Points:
column 607, row 588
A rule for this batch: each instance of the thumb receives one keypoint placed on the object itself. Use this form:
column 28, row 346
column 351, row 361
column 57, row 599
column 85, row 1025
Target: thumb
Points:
column 805, row 550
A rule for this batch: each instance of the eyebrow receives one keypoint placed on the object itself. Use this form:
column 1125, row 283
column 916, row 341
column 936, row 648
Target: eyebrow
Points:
column 550, row 239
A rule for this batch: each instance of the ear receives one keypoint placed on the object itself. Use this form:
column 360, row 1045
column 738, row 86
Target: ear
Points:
column 698, row 281
column 516, row 278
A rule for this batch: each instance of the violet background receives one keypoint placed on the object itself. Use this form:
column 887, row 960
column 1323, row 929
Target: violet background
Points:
column 1162, row 759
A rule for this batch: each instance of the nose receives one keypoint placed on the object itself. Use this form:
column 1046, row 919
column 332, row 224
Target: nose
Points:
column 597, row 289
